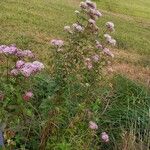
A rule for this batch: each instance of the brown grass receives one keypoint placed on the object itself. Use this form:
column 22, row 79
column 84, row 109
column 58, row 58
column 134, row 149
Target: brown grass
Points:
column 128, row 64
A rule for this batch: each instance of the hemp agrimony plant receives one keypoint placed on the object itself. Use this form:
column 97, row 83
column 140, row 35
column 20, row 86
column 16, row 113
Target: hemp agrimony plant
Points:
column 16, row 73
column 78, row 62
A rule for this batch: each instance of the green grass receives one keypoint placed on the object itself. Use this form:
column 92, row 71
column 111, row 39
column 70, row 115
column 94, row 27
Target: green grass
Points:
column 32, row 23
column 135, row 8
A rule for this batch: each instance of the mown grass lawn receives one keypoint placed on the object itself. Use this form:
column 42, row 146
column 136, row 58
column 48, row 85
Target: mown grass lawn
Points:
column 122, row 109
column 32, row 23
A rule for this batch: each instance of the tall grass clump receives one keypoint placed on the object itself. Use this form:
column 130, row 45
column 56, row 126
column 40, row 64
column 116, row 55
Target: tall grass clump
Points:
column 127, row 115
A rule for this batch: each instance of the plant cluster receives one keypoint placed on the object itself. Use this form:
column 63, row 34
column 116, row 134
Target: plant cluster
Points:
column 18, row 70
column 80, row 59
column 71, row 108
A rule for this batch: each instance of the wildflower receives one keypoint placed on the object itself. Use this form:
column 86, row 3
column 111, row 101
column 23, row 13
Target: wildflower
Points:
column 1, row 48
column 25, row 53
column 28, row 69
column 112, row 42
column 19, row 53
column 28, row 53
column 14, row 72
column 31, row 68
column 19, row 64
column 110, row 26
column 77, row 27
column 98, row 45
column 93, row 125
column 108, row 37
column 98, row 13
column 105, row 137
column 91, row 21
column 88, row 63
column 90, row 4
column 9, row 50
column 83, row 5
column 57, row 43
column 26, row 72
column 108, row 52
column 95, row 58
column 38, row 65
column 28, row 95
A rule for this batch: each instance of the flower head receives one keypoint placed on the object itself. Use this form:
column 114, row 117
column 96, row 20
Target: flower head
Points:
column 31, row 68
column 57, row 43
column 112, row 42
column 28, row 95
column 83, row 5
column 90, row 4
column 98, row 45
column 93, row 125
column 108, row 37
column 8, row 50
column 14, row 72
column 38, row 65
column 105, row 137
column 28, row 53
column 98, row 13
column 108, row 52
column 110, row 26
column 77, row 27
column 19, row 64
column 95, row 58
column 88, row 63
column 2, row 47
column 91, row 21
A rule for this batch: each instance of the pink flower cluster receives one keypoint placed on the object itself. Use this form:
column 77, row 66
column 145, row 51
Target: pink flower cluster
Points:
column 8, row 50
column 27, row 69
column 89, row 61
column 104, row 135
column 57, row 43
column 110, row 26
column 27, row 96
column 104, row 49
column 13, row 50
column 77, row 27
column 95, row 58
column 74, row 28
column 90, row 8
column 93, row 125
column 108, row 52
column 99, row 45
column 110, row 40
